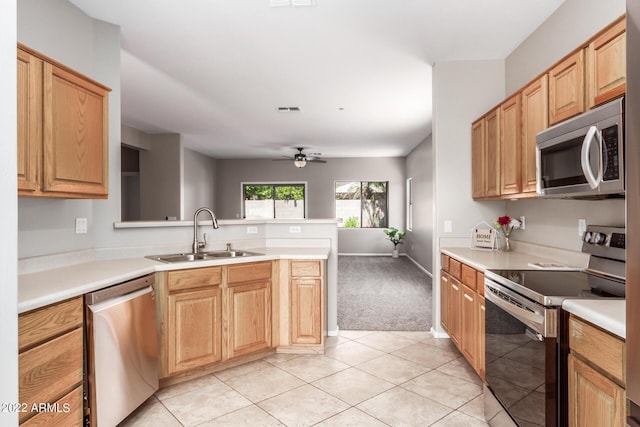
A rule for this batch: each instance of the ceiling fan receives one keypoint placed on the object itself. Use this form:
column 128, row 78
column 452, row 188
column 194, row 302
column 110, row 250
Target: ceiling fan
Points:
column 301, row 159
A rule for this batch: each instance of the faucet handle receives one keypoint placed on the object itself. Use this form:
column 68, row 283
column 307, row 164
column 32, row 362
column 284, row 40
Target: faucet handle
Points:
column 228, row 247
column 204, row 243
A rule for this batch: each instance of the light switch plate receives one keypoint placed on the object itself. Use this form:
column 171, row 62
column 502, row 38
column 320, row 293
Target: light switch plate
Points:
column 448, row 226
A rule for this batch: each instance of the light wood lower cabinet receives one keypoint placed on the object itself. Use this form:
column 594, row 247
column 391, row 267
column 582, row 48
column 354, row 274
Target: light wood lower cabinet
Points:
column 50, row 360
column 596, row 370
column 462, row 310
column 249, row 317
column 306, row 302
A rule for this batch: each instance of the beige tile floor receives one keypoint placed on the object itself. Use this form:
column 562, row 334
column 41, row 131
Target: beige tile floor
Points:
column 364, row 378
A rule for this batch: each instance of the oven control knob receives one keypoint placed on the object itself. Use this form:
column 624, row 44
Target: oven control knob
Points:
column 587, row 237
column 599, row 238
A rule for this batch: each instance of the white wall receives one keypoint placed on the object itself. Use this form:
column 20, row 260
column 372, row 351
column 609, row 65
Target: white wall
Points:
column 199, row 187
column 8, row 213
column 320, row 180
column 463, row 91
column 555, row 222
column 419, row 241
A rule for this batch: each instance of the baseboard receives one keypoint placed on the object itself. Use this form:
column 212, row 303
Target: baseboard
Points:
column 427, row 272
column 437, row 334
column 367, row 254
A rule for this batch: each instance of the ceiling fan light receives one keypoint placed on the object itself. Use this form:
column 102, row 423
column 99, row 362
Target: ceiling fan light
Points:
column 300, row 163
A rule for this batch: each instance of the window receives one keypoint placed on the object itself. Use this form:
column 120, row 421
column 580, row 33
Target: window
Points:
column 409, row 204
column 361, row 204
column 268, row 201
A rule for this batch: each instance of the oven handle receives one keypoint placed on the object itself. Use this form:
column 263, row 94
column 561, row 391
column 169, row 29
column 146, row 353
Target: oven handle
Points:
column 535, row 321
column 592, row 134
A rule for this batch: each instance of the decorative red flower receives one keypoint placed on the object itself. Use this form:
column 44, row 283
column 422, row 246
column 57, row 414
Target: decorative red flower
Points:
column 504, row 220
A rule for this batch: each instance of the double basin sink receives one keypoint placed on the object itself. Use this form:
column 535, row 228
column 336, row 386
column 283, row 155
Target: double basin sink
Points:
column 201, row 256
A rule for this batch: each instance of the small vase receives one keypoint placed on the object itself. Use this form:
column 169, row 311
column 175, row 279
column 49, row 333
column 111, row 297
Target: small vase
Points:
column 506, row 247
column 394, row 254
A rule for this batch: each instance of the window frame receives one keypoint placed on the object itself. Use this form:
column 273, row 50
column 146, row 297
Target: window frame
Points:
column 361, row 182
column 274, row 184
column 409, row 206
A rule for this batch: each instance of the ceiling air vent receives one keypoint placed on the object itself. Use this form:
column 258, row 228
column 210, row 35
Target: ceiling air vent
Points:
column 294, row 3
column 289, row 110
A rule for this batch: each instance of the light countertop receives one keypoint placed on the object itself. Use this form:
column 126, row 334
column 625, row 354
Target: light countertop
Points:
column 36, row 290
column 609, row 314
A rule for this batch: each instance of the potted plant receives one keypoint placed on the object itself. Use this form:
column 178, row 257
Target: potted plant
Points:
column 395, row 236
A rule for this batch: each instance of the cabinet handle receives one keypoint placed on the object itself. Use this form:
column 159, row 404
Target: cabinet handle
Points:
column 454, row 287
column 468, row 297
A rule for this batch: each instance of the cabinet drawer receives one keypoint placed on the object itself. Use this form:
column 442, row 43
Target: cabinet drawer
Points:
column 67, row 411
column 455, row 268
column 469, row 276
column 444, row 261
column 40, row 325
column 305, row 268
column 248, row 272
column 480, row 282
column 181, row 280
column 598, row 347
column 50, row 370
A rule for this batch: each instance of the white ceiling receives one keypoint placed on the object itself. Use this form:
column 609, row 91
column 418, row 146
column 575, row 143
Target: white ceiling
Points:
column 215, row 71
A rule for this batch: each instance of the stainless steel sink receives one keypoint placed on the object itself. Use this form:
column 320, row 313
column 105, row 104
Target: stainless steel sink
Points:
column 201, row 256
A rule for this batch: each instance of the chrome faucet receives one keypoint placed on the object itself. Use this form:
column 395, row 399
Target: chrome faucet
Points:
column 196, row 244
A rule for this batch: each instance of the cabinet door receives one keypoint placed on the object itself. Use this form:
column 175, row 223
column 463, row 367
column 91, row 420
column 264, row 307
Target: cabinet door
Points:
column 478, row 159
column 249, row 317
column 75, row 137
column 468, row 325
column 535, row 118
column 194, row 329
column 594, row 400
column 306, row 319
column 29, row 120
column 492, row 163
column 566, row 88
column 480, row 360
column 453, row 304
column 607, row 73
column 510, row 133
column 444, row 300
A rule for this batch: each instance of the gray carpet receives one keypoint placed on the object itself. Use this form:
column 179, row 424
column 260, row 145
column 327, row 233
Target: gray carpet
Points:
column 382, row 294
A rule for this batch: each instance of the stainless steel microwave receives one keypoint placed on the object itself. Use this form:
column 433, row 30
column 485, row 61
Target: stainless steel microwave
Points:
column 583, row 157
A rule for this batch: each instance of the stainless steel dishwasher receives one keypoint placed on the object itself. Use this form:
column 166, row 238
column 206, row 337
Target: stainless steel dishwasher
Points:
column 122, row 350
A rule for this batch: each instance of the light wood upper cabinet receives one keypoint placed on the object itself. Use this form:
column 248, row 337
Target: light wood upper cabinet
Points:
column 478, row 159
column 566, row 88
column 492, row 147
column 606, row 69
column 29, row 119
column 510, row 175
column 535, row 118
column 63, row 144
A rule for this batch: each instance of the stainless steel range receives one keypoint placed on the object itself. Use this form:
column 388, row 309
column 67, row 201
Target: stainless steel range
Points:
column 525, row 337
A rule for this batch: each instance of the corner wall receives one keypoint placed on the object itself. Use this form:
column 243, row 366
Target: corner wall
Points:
column 8, row 213
column 463, row 90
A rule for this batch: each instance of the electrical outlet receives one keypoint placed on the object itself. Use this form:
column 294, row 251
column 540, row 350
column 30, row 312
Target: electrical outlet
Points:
column 582, row 226
column 448, row 226
column 294, row 229
column 252, row 230
column 81, row 225
column 522, row 222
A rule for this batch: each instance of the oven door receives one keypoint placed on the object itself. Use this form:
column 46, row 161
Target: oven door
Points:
column 520, row 361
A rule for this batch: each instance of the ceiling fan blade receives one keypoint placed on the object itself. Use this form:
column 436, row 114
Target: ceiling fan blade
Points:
column 316, row 160
column 288, row 159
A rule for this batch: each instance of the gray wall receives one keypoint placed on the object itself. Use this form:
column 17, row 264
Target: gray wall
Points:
column 419, row 241
column 61, row 31
column 161, row 178
column 199, row 187
column 555, row 222
column 8, row 213
column 320, row 179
